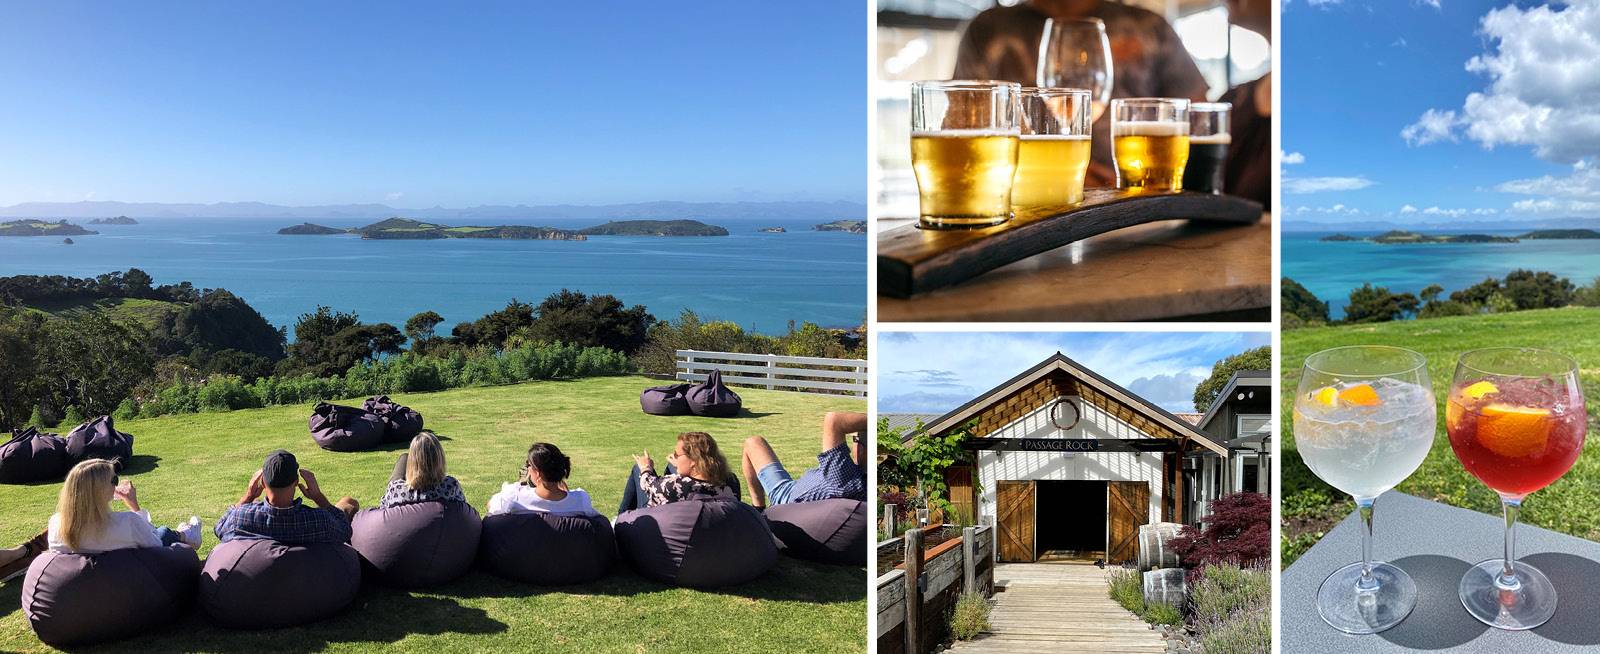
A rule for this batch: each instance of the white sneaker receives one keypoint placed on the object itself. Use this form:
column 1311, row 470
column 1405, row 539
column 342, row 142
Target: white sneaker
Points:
column 191, row 532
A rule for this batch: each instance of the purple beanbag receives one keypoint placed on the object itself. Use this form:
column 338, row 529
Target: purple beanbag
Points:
column 78, row 599
column 417, row 545
column 400, row 423
column 698, row 543
column 827, row 531
column 33, row 456
column 712, row 399
column 665, row 400
column 98, row 439
column 263, row 584
column 546, row 549
column 345, row 428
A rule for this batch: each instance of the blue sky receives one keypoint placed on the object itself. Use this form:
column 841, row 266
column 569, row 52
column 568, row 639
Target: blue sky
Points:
column 420, row 104
column 1440, row 110
column 934, row 372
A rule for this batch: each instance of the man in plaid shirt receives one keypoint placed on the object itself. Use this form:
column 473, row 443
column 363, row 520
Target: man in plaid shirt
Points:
column 840, row 473
column 281, row 516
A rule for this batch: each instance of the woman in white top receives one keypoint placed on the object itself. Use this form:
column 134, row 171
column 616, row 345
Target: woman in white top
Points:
column 542, row 489
column 84, row 522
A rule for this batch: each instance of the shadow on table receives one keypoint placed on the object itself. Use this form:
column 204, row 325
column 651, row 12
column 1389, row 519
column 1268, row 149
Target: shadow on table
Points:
column 1577, row 598
column 1439, row 621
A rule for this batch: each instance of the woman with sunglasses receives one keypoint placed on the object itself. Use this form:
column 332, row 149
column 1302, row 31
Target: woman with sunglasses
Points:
column 695, row 470
column 543, row 487
column 85, row 523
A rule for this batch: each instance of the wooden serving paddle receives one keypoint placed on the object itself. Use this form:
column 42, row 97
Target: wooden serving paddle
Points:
column 914, row 260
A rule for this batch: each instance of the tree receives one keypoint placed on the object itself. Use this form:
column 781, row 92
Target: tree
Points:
column 1377, row 304
column 1538, row 290
column 1301, row 302
column 494, row 328
column 1478, row 293
column 21, row 337
column 328, row 343
column 1430, row 293
column 219, row 320
column 590, row 321
column 1253, row 359
column 420, row 327
column 921, row 462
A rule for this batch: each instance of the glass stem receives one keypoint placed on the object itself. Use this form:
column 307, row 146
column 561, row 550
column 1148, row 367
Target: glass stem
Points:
column 1508, row 575
column 1367, row 583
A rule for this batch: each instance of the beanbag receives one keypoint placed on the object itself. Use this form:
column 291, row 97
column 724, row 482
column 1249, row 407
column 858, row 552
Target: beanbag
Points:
column 400, row 423
column 263, row 584
column 698, row 543
column 546, row 549
column 345, row 428
column 417, row 545
column 78, row 599
column 98, row 439
column 712, row 399
column 665, row 400
column 33, row 456
column 826, row 531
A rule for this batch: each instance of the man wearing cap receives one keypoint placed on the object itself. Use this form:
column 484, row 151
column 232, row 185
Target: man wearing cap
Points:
column 281, row 516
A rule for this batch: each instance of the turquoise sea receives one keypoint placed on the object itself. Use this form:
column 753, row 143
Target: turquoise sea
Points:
column 1332, row 270
column 758, row 280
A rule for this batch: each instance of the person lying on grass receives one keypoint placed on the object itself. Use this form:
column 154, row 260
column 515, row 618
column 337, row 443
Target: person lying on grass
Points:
column 695, row 470
column 280, row 516
column 839, row 472
column 419, row 475
column 84, row 522
column 543, row 487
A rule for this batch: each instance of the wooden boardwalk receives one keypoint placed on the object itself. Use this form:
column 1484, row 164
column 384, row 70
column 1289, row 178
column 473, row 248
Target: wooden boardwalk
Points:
column 1059, row 607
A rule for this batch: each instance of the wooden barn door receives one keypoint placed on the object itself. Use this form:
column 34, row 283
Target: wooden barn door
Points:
column 958, row 479
column 1014, row 511
column 1128, row 508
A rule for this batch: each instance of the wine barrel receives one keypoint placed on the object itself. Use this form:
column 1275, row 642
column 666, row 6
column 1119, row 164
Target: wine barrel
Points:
column 1166, row 586
column 1153, row 549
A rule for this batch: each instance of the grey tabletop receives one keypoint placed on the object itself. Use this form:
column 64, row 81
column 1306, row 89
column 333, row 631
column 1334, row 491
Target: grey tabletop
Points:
column 1436, row 544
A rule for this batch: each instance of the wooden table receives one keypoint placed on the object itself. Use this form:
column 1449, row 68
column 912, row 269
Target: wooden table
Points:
column 1156, row 271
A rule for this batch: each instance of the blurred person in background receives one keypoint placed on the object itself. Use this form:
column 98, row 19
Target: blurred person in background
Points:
column 1249, row 170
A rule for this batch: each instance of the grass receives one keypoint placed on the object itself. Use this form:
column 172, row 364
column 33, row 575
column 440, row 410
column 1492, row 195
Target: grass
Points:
column 1127, row 589
column 970, row 616
column 1571, row 505
column 199, row 463
column 123, row 309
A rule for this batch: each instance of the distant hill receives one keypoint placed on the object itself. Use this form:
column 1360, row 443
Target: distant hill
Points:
column 42, row 228
column 1404, row 237
column 654, row 228
column 661, row 210
column 119, row 220
column 772, row 230
column 1544, row 234
column 852, row 226
column 308, row 229
column 1340, row 238
column 409, row 229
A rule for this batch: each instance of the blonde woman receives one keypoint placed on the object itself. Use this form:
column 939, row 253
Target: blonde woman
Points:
column 696, row 469
column 419, row 475
column 85, row 523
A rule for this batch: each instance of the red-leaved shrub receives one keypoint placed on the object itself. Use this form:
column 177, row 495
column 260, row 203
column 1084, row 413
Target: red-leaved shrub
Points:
column 1238, row 531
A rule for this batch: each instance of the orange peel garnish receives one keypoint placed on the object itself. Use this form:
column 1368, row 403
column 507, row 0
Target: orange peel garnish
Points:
column 1326, row 396
column 1514, row 431
column 1360, row 395
column 1479, row 390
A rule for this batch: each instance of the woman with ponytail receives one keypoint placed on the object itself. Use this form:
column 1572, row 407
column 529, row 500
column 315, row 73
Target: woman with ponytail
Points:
column 543, row 487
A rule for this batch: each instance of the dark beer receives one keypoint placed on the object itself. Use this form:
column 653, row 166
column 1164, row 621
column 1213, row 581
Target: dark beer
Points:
column 1208, row 157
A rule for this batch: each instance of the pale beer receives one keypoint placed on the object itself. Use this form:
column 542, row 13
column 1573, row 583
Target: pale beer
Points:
column 1150, row 155
column 964, row 176
column 1050, row 170
column 1208, row 159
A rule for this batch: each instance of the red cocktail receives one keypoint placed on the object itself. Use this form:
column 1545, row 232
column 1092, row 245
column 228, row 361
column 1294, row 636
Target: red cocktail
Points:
column 1516, row 434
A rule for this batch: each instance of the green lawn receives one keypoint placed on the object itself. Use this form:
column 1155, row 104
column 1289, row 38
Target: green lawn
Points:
column 122, row 309
column 1571, row 505
column 198, row 464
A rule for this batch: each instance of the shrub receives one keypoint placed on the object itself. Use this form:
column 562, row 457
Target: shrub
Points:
column 1588, row 296
column 36, row 418
column 1238, row 531
column 1232, row 610
column 226, row 393
column 127, row 410
column 1127, row 588
column 1163, row 614
column 73, row 417
column 970, row 617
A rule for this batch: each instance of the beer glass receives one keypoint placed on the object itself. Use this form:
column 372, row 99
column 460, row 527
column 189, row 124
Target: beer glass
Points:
column 1075, row 53
column 1053, row 154
column 964, row 140
column 1208, row 147
column 1364, row 419
column 1150, row 142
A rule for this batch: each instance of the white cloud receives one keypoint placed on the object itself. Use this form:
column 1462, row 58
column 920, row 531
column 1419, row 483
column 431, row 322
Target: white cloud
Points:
column 1324, row 3
column 1335, row 210
column 1543, row 67
column 394, row 196
column 1319, row 184
column 1408, row 209
column 1399, row 43
column 1432, row 127
column 1436, row 211
column 1485, row 212
column 1430, row 3
column 1577, row 194
column 1292, row 158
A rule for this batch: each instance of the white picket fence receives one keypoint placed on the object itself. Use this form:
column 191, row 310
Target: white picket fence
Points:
column 771, row 371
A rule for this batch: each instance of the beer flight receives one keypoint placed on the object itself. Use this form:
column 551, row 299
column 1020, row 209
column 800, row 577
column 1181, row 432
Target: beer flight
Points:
column 983, row 149
column 1364, row 420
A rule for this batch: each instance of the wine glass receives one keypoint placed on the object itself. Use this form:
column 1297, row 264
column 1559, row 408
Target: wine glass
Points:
column 1364, row 419
column 1516, row 421
column 1075, row 53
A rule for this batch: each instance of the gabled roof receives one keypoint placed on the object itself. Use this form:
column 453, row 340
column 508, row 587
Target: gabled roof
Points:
column 1060, row 362
column 1239, row 378
column 907, row 420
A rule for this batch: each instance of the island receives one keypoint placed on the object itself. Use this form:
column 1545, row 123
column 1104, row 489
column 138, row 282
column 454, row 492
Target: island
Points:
column 1404, row 237
column 654, row 228
column 851, row 226
column 310, row 229
column 119, row 220
column 772, row 230
column 1338, row 238
column 27, row 227
column 67, row 241
column 1553, row 234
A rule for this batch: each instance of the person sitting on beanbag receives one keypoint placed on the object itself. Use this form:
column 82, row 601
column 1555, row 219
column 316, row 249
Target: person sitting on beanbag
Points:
column 85, row 524
column 542, row 488
column 695, row 470
column 419, row 476
column 280, row 516
column 839, row 472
